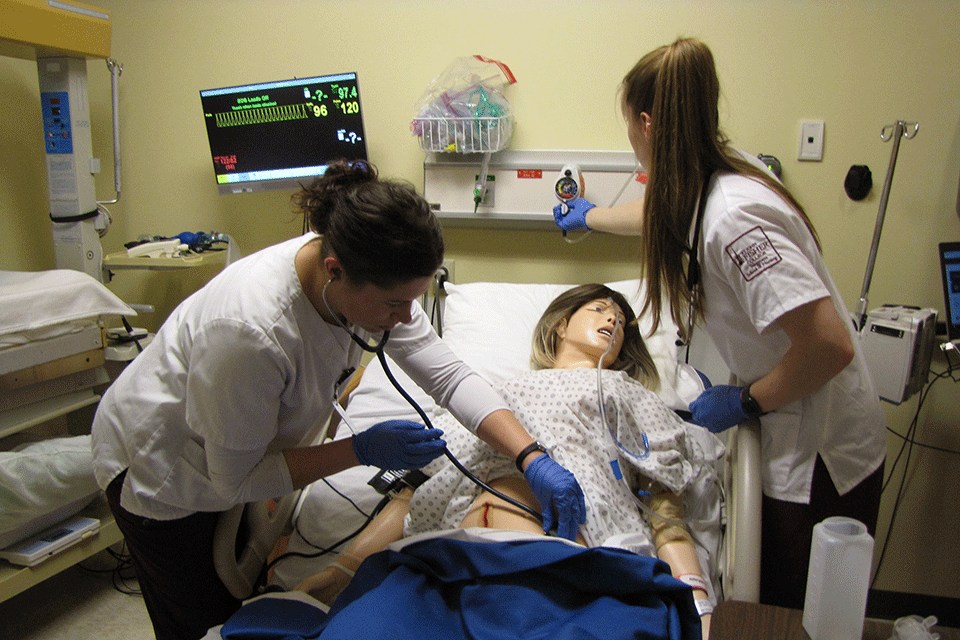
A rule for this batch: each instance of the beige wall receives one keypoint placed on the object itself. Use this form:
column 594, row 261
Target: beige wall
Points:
column 856, row 64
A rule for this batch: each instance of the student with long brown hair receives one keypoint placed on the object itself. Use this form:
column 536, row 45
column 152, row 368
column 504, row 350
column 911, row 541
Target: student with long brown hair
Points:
column 726, row 246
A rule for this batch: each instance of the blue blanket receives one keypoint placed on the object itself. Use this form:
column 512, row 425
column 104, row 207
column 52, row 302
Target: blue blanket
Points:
column 447, row 588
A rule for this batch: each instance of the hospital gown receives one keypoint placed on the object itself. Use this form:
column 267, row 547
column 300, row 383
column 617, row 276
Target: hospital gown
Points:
column 560, row 409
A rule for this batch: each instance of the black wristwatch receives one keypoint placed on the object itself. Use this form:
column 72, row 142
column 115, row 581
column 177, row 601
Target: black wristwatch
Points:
column 750, row 406
column 527, row 450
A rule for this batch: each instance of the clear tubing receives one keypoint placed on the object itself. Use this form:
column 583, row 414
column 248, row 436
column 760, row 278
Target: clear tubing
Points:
column 646, row 443
column 603, row 409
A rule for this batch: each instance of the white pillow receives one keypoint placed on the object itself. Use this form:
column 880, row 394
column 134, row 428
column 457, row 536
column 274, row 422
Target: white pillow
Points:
column 490, row 326
column 52, row 476
column 33, row 303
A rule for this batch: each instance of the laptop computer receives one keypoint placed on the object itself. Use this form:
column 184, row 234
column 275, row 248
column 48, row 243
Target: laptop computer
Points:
column 950, row 273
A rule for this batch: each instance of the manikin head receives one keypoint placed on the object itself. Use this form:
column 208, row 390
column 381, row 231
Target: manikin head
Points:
column 578, row 326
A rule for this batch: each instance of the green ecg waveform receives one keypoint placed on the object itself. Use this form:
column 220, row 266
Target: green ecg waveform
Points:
column 261, row 115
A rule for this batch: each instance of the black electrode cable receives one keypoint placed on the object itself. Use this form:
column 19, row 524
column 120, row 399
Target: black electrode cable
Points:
column 261, row 581
column 909, row 441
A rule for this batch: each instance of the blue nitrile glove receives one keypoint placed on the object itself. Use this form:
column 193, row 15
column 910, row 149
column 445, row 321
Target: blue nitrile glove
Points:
column 398, row 444
column 718, row 408
column 557, row 490
column 576, row 216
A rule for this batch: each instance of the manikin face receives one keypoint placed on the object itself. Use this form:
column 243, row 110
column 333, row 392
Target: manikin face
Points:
column 590, row 330
column 638, row 133
column 377, row 309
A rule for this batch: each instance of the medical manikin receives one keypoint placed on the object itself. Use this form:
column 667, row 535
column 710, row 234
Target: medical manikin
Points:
column 586, row 345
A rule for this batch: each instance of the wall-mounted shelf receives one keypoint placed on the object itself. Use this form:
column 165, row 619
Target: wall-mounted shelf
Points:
column 120, row 260
column 40, row 29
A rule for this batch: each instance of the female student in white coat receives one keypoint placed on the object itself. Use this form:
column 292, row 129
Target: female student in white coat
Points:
column 761, row 289
column 228, row 402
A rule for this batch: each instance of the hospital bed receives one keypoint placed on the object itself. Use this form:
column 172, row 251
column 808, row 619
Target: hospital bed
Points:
column 52, row 363
column 490, row 326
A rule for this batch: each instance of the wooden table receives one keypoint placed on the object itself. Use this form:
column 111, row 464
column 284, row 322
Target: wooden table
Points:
column 734, row 620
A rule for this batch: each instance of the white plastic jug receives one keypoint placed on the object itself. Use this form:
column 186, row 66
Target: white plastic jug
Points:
column 838, row 580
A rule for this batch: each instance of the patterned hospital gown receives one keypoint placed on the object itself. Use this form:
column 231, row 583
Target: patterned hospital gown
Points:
column 560, row 409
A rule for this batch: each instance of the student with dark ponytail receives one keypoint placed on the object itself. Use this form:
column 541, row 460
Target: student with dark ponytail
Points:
column 228, row 404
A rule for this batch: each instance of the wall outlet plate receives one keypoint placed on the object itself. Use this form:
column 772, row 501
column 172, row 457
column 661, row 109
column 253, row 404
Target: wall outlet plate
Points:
column 811, row 140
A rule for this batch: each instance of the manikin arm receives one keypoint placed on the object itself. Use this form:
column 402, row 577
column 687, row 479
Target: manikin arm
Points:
column 385, row 528
column 673, row 542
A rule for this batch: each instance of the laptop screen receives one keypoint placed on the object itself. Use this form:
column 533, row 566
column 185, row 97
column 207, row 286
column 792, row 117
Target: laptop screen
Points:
column 950, row 272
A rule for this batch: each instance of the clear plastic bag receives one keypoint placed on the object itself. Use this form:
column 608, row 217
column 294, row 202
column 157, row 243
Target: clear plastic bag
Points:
column 464, row 110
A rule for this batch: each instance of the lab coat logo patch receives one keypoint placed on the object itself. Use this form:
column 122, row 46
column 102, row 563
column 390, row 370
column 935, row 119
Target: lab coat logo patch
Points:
column 753, row 253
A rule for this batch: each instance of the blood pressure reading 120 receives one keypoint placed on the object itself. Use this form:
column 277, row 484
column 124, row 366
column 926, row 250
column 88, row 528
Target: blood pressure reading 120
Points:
column 286, row 129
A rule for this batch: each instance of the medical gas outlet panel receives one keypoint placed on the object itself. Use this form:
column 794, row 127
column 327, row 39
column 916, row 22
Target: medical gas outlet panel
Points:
column 522, row 186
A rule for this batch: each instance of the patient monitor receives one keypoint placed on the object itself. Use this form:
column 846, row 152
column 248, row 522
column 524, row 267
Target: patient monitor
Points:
column 279, row 135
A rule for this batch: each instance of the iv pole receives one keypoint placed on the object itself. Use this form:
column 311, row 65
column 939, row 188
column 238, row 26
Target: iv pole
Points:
column 115, row 70
column 895, row 132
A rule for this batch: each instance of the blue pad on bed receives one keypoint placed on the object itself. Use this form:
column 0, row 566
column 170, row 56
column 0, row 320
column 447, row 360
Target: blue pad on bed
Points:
column 446, row 588
column 274, row 619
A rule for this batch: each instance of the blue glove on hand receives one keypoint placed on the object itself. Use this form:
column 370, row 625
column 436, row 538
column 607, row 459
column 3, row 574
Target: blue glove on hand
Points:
column 576, row 216
column 398, row 444
column 718, row 408
column 557, row 490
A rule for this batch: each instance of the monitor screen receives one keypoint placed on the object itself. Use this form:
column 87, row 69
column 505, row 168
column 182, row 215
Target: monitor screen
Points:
column 278, row 135
column 950, row 273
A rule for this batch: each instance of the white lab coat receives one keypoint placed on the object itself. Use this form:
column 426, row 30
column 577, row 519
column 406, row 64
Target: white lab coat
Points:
column 241, row 370
column 758, row 262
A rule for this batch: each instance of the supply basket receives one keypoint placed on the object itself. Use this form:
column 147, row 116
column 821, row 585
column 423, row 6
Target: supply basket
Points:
column 470, row 134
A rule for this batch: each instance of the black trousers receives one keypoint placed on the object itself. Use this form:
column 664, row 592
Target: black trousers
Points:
column 174, row 564
column 787, row 532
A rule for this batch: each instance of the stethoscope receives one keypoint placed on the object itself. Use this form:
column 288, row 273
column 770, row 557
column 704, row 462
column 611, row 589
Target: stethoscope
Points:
column 693, row 271
column 381, row 357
